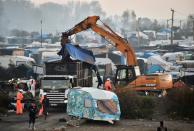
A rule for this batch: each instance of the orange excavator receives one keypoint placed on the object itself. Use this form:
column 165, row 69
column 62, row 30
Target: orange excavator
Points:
column 128, row 76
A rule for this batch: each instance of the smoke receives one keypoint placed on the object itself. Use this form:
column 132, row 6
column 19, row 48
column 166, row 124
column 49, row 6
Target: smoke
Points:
column 24, row 15
column 2, row 27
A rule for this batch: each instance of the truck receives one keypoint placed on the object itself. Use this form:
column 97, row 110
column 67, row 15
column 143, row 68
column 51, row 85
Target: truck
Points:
column 127, row 77
column 59, row 76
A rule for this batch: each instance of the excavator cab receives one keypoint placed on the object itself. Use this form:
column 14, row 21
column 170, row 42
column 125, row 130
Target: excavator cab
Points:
column 126, row 74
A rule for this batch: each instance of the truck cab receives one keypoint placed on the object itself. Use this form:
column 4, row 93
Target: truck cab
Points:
column 55, row 87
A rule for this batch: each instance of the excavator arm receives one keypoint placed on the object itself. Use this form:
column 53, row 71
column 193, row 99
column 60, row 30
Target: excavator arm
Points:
column 118, row 42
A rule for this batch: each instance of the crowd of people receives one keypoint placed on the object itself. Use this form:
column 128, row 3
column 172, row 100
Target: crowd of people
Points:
column 35, row 109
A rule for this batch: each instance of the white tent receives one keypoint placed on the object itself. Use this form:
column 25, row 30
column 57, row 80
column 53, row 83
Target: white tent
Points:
column 157, row 60
column 173, row 56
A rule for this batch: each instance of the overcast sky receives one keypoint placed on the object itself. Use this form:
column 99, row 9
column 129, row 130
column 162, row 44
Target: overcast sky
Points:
column 157, row 9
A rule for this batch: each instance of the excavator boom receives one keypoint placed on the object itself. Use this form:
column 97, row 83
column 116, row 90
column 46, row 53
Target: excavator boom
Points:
column 91, row 23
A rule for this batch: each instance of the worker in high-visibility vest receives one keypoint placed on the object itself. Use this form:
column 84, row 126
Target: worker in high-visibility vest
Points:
column 41, row 109
column 19, row 107
column 107, row 85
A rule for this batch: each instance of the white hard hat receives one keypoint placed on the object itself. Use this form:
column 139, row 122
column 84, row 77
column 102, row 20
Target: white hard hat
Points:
column 44, row 93
column 20, row 90
column 108, row 79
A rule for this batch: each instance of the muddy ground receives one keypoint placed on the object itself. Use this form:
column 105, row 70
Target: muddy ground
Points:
column 13, row 122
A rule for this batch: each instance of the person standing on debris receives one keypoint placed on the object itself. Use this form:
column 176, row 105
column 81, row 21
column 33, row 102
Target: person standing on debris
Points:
column 41, row 109
column 45, row 104
column 19, row 98
column 107, row 85
column 32, row 114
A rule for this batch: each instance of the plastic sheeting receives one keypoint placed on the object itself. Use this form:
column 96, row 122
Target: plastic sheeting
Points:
column 148, row 54
column 155, row 69
column 77, row 53
column 157, row 60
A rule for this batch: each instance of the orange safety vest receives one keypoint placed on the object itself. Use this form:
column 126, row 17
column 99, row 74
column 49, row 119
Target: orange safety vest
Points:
column 19, row 108
column 41, row 109
column 107, row 85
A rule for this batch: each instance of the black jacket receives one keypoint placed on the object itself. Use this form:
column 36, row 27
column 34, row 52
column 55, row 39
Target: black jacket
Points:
column 32, row 111
column 45, row 103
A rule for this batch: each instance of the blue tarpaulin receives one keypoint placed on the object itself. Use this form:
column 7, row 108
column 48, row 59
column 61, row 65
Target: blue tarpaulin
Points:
column 147, row 54
column 154, row 69
column 78, row 53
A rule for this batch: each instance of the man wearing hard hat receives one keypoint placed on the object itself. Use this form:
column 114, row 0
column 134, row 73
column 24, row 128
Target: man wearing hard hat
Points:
column 107, row 85
column 19, row 98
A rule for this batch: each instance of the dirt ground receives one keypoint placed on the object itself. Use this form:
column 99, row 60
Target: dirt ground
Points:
column 13, row 122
